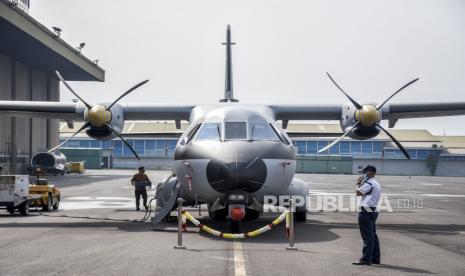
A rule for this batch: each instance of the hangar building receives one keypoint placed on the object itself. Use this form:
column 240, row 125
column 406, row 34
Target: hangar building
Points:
column 155, row 143
column 29, row 55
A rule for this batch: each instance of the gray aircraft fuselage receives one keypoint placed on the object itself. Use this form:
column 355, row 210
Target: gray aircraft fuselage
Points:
column 231, row 147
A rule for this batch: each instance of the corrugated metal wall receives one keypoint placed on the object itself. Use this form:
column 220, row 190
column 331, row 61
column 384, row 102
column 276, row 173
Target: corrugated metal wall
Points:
column 91, row 157
column 324, row 164
column 22, row 82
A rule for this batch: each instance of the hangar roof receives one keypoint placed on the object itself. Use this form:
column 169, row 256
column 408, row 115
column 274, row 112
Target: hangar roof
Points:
column 28, row 41
column 453, row 141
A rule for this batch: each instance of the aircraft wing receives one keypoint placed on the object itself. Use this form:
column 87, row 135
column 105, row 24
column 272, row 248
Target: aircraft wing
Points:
column 52, row 110
column 157, row 112
column 393, row 111
column 419, row 110
column 307, row 112
column 75, row 111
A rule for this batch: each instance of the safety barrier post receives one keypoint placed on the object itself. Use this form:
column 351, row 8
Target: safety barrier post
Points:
column 291, row 225
column 179, row 245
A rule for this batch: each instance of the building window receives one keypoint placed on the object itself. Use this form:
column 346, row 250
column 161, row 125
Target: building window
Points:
column 377, row 146
column 126, row 151
column 84, row 143
column 150, row 148
column 344, row 147
column 106, row 144
column 160, row 148
column 322, row 144
column 422, row 154
column 412, row 153
column 355, row 147
column 367, row 147
column 171, row 146
column 95, row 144
column 139, row 147
column 301, row 147
column 117, row 148
column 312, row 147
column 334, row 150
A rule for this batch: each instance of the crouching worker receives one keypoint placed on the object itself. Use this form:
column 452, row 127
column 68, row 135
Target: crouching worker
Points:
column 140, row 181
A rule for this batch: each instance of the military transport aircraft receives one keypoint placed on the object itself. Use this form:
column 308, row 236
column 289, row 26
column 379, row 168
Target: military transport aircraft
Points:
column 232, row 154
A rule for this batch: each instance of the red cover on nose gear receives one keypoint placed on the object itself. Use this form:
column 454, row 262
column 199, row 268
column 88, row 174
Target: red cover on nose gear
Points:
column 237, row 214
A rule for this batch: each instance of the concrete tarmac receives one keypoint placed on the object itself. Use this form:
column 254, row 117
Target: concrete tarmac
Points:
column 421, row 230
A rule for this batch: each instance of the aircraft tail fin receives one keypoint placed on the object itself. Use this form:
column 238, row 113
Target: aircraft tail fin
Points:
column 228, row 90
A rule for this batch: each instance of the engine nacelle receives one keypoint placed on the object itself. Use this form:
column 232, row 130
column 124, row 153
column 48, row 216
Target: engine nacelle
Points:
column 117, row 123
column 348, row 120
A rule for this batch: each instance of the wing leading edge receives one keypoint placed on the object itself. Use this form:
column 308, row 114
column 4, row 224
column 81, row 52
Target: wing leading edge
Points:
column 393, row 111
column 75, row 111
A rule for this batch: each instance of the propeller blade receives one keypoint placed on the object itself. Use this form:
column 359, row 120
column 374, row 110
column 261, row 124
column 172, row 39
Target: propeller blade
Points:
column 70, row 89
column 86, row 125
column 355, row 103
column 398, row 144
column 400, row 89
column 122, row 139
column 127, row 92
column 338, row 139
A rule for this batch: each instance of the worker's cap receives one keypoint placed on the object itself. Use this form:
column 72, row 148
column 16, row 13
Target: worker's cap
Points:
column 369, row 168
column 141, row 168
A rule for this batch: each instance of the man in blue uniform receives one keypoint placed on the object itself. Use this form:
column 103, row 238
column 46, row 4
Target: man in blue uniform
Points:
column 370, row 190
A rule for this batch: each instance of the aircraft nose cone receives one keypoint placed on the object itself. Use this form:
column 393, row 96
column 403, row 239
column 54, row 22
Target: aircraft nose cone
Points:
column 230, row 176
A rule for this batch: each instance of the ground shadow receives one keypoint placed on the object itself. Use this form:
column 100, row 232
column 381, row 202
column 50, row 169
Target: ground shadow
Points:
column 405, row 269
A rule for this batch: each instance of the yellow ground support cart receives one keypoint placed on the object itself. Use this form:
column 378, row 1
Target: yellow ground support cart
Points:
column 49, row 195
column 76, row 167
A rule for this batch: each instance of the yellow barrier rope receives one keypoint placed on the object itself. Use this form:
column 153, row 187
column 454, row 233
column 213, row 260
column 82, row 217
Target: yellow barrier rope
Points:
column 278, row 220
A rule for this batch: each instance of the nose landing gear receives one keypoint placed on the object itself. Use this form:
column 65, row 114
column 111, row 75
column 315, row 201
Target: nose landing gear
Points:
column 236, row 215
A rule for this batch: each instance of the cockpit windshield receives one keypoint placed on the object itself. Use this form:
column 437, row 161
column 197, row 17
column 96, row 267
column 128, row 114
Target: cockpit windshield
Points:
column 235, row 130
column 209, row 131
column 263, row 131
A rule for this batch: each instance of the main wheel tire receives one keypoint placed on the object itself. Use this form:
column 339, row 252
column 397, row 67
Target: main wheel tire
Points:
column 24, row 208
column 10, row 210
column 300, row 216
column 57, row 204
column 48, row 206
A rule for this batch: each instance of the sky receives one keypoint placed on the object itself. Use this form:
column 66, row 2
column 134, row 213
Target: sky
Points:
column 282, row 53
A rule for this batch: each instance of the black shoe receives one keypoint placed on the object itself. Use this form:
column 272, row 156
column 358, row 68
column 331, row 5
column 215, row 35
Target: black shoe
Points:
column 361, row 263
column 376, row 262
column 137, row 209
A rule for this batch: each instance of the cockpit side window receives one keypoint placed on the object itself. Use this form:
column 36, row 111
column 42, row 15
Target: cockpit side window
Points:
column 281, row 136
column 263, row 131
column 191, row 133
column 235, row 130
column 209, row 131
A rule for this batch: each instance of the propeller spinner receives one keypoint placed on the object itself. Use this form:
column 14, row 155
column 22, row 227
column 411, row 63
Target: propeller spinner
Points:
column 367, row 116
column 98, row 115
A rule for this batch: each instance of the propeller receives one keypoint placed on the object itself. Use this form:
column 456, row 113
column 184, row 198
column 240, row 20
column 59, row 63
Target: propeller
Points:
column 98, row 115
column 368, row 115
